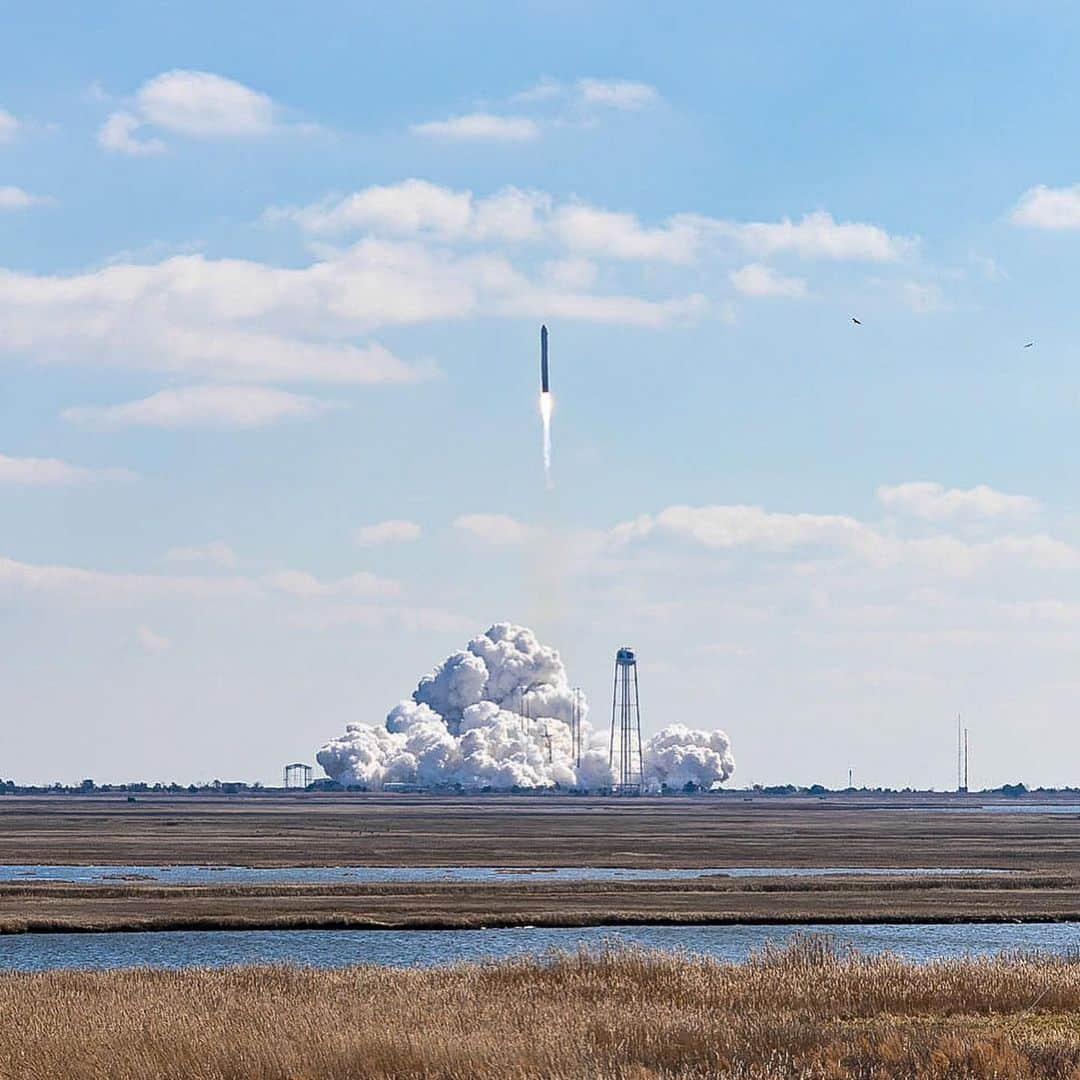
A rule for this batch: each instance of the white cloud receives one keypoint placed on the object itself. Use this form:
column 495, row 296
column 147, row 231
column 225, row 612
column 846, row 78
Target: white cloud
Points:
column 202, row 104
column 570, row 273
column 14, row 198
column 195, row 104
column 1043, row 207
column 100, row 584
column 591, row 231
column 752, row 528
column 51, row 472
column 497, row 529
column 118, row 134
column 217, row 552
column 151, row 642
column 935, row 502
column 744, row 526
column 9, row 126
column 480, row 126
column 228, row 319
column 617, row 93
column 78, row 582
column 816, row 236
column 545, row 89
column 241, row 321
column 754, row 279
column 393, row 531
column 303, row 585
column 202, row 406
column 415, row 207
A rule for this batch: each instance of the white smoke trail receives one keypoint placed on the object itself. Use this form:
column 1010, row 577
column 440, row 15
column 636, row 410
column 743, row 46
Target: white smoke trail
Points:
column 547, row 403
column 497, row 715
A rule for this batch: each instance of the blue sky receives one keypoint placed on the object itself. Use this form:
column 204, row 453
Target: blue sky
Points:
column 273, row 276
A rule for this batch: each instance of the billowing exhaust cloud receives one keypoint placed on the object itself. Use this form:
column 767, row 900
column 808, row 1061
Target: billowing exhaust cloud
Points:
column 497, row 715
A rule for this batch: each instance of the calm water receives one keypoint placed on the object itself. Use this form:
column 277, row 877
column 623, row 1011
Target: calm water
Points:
column 422, row 948
column 330, row 875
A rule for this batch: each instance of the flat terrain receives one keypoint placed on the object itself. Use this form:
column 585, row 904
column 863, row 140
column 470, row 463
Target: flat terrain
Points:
column 397, row 830
column 57, row 907
column 807, row 1011
column 1041, row 853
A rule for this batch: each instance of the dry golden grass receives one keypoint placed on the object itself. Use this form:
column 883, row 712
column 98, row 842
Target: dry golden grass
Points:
column 805, row 1011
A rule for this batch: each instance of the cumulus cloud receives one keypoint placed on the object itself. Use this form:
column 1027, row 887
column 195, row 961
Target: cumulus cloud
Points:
column 498, row 529
column 151, row 642
column 113, row 587
column 15, row 198
column 194, row 104
column 9, row 126
column 621, row 236
column 118, row 134
column 228, row 319
column 816, row 236
column 75, row 581
column 217, row 552
column 202, row 406
column 591, row 93
column 393, row 531
column 301, row 584
column 235, row 320
column 617, row 93
column 497, row 715
column 1043, row 207
column 480, row 126
column 935, row 502
column 755, row 279
column 413, row 207
column 752, row 528
column 52, row 472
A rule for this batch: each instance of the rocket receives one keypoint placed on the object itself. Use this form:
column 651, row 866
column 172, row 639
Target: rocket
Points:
column 543, row 361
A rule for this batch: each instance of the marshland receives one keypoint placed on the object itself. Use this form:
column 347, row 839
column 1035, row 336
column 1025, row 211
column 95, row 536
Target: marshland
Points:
column 810, row 1009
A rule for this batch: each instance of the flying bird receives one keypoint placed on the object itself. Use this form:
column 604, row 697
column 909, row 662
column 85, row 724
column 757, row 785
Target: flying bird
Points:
column 855, row 321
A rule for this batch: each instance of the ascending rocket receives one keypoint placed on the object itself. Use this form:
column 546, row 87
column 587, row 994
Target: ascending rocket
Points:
column 543, row 361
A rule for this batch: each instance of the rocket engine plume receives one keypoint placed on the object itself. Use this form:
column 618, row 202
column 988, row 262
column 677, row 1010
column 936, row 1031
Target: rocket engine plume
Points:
column 547, row 402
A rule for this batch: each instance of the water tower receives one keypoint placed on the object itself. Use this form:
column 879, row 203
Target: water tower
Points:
column 624, row 753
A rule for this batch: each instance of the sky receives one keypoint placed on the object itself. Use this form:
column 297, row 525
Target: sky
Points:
column 271, row 282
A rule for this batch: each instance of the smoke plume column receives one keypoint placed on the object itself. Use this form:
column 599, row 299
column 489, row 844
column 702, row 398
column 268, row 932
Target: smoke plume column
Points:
column 498, row 715
column 546, row 403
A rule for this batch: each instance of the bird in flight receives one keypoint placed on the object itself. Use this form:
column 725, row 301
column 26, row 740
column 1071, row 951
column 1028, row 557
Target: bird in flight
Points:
column 855, row 321
column 1029, row 344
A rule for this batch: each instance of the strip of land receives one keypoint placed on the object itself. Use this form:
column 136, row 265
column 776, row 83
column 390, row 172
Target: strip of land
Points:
column 398, row 830
column 54, row 907
column 807, row 1011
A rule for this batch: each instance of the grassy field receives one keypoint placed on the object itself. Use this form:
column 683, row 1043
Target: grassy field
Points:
column 139, row 906
column 807, row 1011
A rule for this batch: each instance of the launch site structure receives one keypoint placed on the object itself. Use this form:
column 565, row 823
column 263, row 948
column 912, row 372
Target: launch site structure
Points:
column 576, row 711
column 624, row 752
column 297, row 776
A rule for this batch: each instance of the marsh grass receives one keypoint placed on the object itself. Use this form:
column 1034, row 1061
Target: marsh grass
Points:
column 808, row 1009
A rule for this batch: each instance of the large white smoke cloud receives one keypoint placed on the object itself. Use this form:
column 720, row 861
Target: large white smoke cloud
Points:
column 497, row 715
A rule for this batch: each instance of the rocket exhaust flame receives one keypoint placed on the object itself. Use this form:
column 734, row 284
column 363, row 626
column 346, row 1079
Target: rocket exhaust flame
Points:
column 547, row 403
